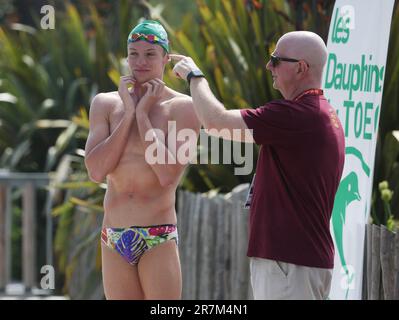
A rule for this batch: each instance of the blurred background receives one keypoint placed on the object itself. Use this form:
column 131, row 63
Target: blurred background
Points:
column 49, row 76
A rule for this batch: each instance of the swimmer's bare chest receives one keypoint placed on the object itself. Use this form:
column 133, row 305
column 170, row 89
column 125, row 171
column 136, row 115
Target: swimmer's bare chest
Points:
column 133, row 175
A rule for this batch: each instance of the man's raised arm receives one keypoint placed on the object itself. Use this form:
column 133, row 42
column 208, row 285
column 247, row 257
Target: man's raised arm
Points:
column 210, row 111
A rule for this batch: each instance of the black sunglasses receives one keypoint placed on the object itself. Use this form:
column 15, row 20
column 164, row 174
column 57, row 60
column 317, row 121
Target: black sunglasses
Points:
column 275, row 60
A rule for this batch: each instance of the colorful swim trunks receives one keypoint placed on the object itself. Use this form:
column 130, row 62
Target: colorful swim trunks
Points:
column 131, row 243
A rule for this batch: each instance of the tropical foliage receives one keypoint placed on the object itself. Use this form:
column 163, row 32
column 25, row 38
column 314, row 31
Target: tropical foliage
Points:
column 48, row 77
column 387, row 154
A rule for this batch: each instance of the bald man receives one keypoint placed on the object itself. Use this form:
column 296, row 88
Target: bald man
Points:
column 298, row 170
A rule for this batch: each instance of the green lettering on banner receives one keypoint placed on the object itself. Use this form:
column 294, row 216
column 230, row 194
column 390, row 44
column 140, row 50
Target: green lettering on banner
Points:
column 334, row 27
column 340, row 31
column 347, row 105
column 340, row 77
column 368, row 83
column 379, row 87
column 361, row 122
column 367, row 120
column 354, row 84
column 375, row 74
column 345, row 30
column 358, row 119
column 353, row 77
column 331, row 57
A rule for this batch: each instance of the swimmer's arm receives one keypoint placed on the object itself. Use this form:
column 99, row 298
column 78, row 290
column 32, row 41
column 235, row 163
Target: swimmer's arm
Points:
column 155, row 141
column 103, row 151
column 183, row 118
column 217, row 121
column 182, row 139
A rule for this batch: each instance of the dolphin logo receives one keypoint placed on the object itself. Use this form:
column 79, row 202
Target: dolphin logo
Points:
column 347, row 192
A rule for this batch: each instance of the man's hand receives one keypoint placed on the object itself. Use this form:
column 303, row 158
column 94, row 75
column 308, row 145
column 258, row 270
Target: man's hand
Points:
column 127, row 99
column 153, row 94
column 184, row 65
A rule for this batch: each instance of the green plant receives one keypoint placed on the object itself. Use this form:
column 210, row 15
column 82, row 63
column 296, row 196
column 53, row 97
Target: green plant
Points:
column 386, row 197
column 387, row 150
column 48, row 78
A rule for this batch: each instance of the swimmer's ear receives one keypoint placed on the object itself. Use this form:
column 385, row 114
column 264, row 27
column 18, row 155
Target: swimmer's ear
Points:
column 166, row 58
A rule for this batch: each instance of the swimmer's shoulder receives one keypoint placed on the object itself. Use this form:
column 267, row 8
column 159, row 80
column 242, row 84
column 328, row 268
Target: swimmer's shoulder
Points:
column 182, row 109
column 179, row 101
column 105, row 102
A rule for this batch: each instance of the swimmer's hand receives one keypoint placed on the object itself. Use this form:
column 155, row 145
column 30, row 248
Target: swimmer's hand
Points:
column 152, row 95
column 124, row 93
column 183, row 66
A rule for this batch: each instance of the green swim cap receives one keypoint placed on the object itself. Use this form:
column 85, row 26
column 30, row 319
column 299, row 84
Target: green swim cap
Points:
column 151, row 31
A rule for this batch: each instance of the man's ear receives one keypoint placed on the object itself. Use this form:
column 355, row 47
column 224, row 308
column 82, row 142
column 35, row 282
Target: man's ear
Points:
column 302, row 67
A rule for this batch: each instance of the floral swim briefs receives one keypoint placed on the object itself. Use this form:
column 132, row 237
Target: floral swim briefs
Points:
column 131, row 243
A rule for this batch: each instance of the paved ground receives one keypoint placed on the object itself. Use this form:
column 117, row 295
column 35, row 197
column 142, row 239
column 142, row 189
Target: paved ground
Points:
column 16, row 291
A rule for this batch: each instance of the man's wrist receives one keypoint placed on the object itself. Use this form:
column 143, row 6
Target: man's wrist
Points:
column 196, row 80
column 197, row 73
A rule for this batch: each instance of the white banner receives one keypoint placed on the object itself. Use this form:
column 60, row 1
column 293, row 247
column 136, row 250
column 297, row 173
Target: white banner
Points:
column 353, row 81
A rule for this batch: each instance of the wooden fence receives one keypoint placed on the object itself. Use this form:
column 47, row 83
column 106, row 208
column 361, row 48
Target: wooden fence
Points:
column 213, row 232
column 381, row 267
column 213, row 236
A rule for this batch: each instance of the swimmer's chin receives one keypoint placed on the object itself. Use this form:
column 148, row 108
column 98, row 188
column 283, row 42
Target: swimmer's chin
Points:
column 140, row 82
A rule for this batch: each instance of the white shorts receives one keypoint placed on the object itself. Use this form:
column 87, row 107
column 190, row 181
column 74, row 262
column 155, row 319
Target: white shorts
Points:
column 274, row 280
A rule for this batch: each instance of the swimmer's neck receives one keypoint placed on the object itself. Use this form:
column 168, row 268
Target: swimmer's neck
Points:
column 139, row 90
